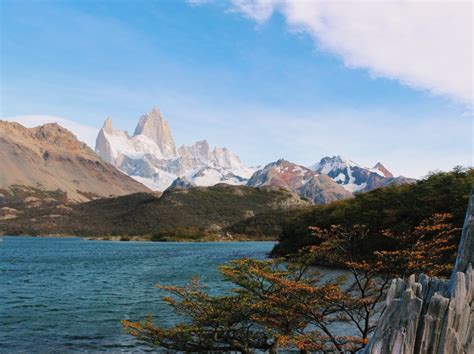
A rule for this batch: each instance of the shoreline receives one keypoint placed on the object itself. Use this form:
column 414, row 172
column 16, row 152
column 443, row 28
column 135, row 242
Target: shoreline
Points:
column 149, row 238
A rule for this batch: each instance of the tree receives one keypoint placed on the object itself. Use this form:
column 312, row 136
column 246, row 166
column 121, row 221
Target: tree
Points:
column 429, row 248
column 287, row 303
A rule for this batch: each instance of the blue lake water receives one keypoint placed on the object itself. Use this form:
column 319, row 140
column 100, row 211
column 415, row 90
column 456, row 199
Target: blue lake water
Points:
column 68, row 294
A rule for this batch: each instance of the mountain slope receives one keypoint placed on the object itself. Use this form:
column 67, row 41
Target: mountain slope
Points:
column 178, row 213
column 51, row 157
column 318, row 188
column 356, row 178
column 150, row 156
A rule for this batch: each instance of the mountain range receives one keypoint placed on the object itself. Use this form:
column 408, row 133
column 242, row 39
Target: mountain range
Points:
column 316, row 187
column 150, row 156
column 51, row 157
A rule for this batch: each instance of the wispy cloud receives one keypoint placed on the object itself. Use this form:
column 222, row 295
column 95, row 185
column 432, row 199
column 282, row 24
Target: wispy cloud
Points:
column 85, row 133
column 426, row 45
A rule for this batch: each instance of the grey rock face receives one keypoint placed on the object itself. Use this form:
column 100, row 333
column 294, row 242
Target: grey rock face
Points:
column 430, row 315
column 154, row 126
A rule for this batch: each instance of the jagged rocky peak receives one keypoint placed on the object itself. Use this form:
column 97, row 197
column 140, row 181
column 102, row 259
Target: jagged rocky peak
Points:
column 383, row 170
column 155, row 127
column 108, row 125
column 151, row 157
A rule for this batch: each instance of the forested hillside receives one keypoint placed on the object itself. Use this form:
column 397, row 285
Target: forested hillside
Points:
column 395, row 208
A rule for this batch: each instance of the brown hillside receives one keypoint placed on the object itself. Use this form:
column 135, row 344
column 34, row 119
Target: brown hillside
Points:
column 51, row 157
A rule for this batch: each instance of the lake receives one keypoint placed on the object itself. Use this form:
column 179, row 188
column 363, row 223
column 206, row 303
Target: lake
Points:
column 68, row 294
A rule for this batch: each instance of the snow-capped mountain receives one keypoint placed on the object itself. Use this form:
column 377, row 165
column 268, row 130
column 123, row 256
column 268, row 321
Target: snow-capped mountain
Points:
column 317, row 187
column 356, row 178
column 150, row 156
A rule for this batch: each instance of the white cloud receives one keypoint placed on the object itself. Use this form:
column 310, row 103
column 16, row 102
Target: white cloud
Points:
column 83, row 132
column 426, row 45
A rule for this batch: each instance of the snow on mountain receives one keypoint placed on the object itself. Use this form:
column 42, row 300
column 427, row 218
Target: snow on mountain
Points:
column 150, row 156
column 354, row 177
column 318, row 188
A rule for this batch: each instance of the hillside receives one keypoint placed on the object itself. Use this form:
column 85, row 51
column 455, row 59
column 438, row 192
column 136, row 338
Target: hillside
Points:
column 50, row 157
column 398, row 208
column 194, row 213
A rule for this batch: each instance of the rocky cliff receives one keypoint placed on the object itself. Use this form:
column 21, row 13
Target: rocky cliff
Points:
column 429, row 315
column 51, row 157
column 150, row 156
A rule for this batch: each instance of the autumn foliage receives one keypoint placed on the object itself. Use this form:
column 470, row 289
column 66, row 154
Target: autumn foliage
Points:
column 289, row 304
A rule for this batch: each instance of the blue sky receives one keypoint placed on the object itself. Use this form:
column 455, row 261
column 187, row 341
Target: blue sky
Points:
column 258, row 84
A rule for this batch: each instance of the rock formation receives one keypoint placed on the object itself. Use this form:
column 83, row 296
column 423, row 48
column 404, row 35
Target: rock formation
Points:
column 157, row 129
column 429, row 315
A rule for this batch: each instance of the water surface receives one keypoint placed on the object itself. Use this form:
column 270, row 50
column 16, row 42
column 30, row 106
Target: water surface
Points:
column 68, row 294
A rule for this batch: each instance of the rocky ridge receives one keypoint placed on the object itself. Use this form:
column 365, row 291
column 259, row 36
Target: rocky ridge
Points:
column 51, row 157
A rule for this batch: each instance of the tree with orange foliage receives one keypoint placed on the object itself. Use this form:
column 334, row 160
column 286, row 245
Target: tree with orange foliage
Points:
column 429, row 248
column 288, row 304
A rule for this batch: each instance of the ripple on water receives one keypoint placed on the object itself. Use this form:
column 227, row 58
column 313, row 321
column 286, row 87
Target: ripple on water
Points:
column 61, row 295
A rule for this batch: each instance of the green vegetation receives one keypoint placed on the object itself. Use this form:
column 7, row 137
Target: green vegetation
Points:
column 198, row 214
column 17, row 194
column 285, row 304
column 395, row 208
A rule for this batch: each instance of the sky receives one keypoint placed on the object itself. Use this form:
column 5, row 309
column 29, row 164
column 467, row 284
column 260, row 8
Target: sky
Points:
column 388, row 81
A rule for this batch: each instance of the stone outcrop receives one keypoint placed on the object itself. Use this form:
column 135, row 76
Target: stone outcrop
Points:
column 429, row 315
